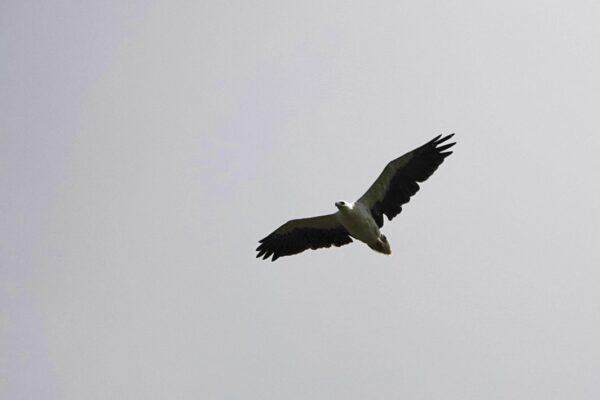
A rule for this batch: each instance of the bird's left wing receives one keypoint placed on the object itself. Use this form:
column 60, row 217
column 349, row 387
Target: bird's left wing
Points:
column 399, row 180
column 298, row 235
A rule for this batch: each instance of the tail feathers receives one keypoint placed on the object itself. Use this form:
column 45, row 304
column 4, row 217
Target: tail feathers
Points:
column 381, row 246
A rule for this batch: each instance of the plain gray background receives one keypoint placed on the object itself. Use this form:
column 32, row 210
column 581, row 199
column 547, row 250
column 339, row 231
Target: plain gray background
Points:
column 145, row 147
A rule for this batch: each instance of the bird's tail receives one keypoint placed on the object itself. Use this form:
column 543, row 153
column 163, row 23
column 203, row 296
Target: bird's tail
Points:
column 381, row 245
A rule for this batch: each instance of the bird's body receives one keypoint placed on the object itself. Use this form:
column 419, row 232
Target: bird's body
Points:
column 362, row 219
column 358, row 221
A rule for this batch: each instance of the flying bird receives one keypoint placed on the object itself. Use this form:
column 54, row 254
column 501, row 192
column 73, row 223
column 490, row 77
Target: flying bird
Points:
column 361, row 220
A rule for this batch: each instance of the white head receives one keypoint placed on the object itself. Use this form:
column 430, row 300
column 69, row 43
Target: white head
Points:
column 343, row 205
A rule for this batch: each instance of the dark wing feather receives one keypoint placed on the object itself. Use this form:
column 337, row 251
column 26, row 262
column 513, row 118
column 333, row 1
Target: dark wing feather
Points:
column 298, row 235
column 399, row 180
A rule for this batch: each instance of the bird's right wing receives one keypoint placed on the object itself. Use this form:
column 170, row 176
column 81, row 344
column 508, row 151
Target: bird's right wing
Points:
column 298, row 235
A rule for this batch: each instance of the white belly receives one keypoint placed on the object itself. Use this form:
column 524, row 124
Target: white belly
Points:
column 359, row 223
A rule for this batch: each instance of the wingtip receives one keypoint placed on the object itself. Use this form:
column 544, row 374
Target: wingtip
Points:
column 445, row 147
column 439, row 140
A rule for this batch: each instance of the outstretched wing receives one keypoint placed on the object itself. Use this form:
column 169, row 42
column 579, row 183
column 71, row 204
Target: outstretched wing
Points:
column 297, row 235
column 398, row 181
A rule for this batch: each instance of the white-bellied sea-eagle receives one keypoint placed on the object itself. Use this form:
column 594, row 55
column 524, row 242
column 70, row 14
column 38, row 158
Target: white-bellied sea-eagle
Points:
column 362, row 219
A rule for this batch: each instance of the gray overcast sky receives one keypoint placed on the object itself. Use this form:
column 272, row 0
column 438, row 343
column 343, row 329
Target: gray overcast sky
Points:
column 146, row 146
